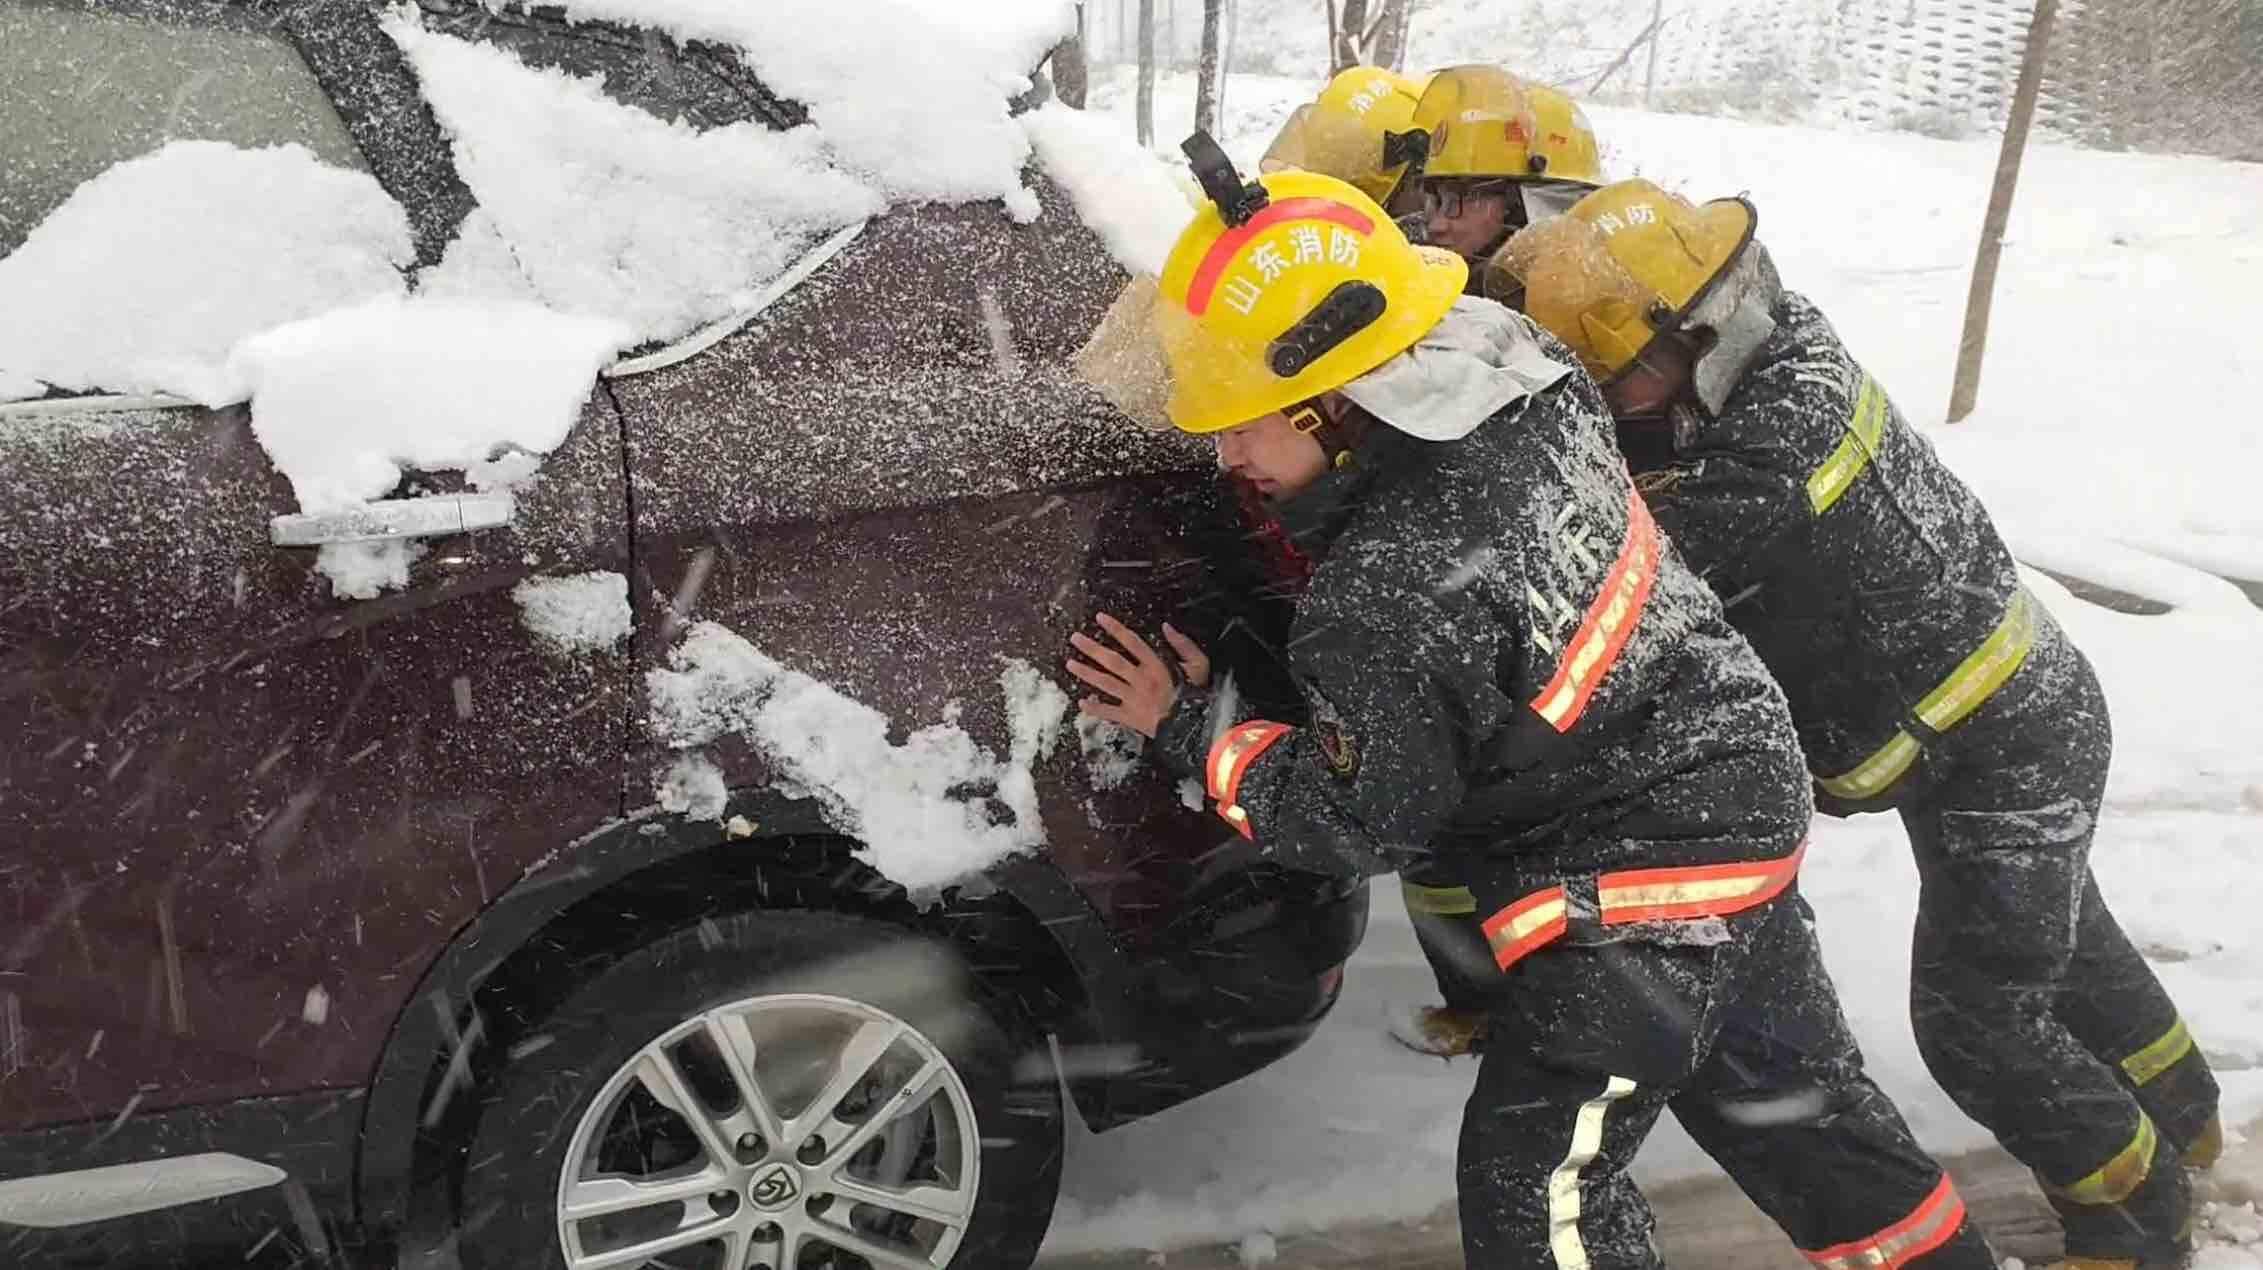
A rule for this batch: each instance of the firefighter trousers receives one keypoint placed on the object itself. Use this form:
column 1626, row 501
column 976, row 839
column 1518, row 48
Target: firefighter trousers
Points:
column 1443, row 914
column 2031, row 1007
column 1737, row 1030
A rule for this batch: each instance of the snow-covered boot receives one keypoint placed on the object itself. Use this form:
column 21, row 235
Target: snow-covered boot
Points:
column 2206, row 1149
column 1437, row 1030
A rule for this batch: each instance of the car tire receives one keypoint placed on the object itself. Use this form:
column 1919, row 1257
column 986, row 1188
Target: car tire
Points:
column 779, row 988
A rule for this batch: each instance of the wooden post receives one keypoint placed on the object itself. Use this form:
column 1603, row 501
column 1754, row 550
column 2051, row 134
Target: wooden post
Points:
column 1226, row 58
column 1206, row 69
column 1146, row 72
column 1974, row 343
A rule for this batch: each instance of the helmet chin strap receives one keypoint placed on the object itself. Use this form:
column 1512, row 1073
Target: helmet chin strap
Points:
column 1338, row 429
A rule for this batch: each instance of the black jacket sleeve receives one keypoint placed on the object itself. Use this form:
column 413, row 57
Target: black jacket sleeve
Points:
column 1399, row 704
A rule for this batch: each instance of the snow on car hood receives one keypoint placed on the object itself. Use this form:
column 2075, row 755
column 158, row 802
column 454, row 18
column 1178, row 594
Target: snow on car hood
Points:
column 908, row 805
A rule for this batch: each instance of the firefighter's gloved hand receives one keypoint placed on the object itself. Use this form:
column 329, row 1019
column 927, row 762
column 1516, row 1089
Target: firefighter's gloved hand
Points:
column 1142, row 685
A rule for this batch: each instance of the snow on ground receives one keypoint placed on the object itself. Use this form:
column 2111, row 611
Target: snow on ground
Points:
column 106, row 294
column 2114, row 438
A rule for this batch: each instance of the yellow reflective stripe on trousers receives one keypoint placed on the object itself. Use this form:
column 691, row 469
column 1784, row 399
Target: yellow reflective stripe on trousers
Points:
column 1974, row 680
column 1563, row 1185
column 1438, row 901
column 1979, row 675
column 1877, row 772
column 2117, row 1179
column 1864, row 430
column 2164, row 1053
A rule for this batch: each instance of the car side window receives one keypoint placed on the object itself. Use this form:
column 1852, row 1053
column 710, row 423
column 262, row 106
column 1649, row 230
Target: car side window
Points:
column 82, row 91
column 704, row 86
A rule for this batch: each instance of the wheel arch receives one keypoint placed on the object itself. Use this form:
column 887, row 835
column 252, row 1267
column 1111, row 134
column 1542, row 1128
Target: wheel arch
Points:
column 653, row 870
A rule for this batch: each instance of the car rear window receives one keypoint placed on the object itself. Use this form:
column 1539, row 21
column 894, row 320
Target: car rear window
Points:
column 698, row 84
column 80, row 92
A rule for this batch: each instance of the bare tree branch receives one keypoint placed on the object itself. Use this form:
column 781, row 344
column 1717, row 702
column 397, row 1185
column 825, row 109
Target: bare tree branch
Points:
column 1627, row 54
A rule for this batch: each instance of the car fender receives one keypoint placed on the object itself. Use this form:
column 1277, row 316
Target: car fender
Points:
column 438, row 1031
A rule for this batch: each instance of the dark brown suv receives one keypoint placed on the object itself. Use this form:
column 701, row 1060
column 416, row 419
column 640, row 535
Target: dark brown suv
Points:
column 331, row 922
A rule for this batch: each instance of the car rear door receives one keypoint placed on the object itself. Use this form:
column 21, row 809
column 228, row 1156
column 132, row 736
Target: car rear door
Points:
column 239, row 814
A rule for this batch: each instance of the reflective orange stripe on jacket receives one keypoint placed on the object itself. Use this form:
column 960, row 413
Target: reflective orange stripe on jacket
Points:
column 1930, row 1225
column 1526, row 925
column 1610, row 621
column 1707, row 890
column 1230, row 758
column 1642, row 895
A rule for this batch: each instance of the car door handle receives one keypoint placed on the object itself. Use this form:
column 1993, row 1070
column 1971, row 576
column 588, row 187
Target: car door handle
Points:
column 393, row 518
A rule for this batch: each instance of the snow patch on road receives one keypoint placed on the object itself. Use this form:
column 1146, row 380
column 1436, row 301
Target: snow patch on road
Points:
column 2121, row 567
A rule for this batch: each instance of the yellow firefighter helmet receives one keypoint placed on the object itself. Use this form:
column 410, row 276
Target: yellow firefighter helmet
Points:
column 1482, row 121
column 1272, row 301
column 1631, row 260
column 1346, row 132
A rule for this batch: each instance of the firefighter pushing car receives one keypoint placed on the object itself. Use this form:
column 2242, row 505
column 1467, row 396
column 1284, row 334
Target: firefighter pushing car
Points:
column 1509, row 673
column 1923, row 679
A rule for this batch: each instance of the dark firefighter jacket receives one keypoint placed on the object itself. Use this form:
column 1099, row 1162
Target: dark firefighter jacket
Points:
column 1504, row 663
column 1866, row 575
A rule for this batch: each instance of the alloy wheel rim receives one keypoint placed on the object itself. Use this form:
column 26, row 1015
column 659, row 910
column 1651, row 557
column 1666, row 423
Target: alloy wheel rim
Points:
column 781, row 1132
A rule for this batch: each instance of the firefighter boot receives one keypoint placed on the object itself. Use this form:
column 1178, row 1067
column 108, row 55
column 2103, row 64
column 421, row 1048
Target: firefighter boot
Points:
column 1438, row 1030
column 2148, row 1228
column 2207, row 1148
